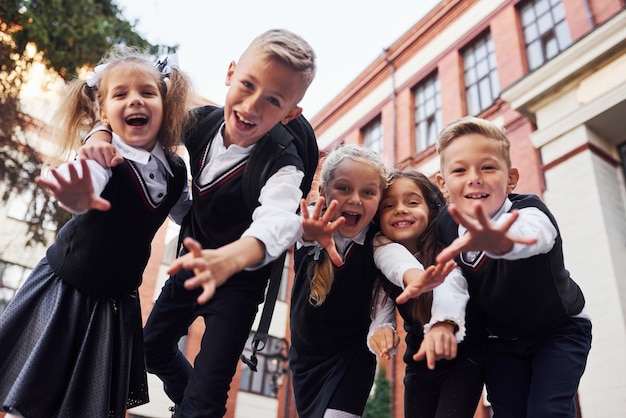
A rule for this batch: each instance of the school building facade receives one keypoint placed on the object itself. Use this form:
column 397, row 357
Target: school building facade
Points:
column 553, row 73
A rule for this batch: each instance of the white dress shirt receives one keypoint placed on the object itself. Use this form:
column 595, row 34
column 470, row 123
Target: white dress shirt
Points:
column 275, row 222
column 151, row 171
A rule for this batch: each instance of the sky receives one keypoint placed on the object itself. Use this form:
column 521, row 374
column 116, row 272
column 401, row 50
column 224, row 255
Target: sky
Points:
column 347, row 35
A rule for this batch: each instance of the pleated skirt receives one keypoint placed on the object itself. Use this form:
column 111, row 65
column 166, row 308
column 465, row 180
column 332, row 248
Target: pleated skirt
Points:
column 66, row 353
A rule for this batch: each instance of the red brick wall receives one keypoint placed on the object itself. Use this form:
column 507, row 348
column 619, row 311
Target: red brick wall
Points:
column 452, row 91
column 509, row 47
column 404, row 134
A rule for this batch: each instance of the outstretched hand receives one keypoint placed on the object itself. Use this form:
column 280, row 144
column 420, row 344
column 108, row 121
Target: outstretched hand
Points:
column 425, row 281
column 320, row 227
column 483, row 234
column 76, row 194
column 212, row 268
column 439, row 343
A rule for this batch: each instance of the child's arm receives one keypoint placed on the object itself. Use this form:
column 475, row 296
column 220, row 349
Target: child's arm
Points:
column 402, row 269
column 275, row 227
column 75, row 191
column 320, row 227
column 484, row 234
column 446, row 327
column 449, row 303
column 214, row 267
column 97, row 146
column 382, row 339
column 418, row 282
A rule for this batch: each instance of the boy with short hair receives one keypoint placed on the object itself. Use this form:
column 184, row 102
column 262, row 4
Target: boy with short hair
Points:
column 509, row 250
column 231, row 244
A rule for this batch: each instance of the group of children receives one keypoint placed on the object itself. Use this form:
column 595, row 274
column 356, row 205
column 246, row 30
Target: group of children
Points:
column 462, row 271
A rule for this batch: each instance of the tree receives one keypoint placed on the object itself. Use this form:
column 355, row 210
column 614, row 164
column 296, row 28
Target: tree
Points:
column 379, row 403
column 69, row 35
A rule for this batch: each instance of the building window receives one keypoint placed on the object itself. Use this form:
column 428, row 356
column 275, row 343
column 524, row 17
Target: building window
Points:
column 545, row 30
column 427, row 112
column 373, row 135
column 270, row 367
column 12, row 277
column 481, row 77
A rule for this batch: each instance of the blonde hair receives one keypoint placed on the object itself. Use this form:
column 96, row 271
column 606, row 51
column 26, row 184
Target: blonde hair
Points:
column 322, row 277
column 473, row 125
column 290, row 49
column 79, row 107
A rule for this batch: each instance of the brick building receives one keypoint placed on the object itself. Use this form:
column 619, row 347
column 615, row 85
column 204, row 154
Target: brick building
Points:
column 553, row 73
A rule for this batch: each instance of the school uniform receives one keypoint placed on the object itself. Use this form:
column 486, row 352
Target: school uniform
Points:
column 454, row 387
column 539, row 332
column 220, row 216
column 331, row 365
column 71, row 337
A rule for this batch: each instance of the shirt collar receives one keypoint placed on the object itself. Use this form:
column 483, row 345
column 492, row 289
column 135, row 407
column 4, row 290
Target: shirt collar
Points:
column 219, row 138
column 342, row 242
column 140, row 155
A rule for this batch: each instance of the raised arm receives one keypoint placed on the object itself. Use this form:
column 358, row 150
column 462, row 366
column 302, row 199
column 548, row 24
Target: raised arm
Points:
column 402, row 269
column 75, row 191
column 213, row 268
column 483, row 234
column 320, row 227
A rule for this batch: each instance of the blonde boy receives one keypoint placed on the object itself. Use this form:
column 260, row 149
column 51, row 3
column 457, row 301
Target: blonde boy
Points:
column 510, row 259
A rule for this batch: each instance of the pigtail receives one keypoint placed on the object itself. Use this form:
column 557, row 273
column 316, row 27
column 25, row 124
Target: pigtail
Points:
column 322, row 281
column 76, row 114
column 177, row 93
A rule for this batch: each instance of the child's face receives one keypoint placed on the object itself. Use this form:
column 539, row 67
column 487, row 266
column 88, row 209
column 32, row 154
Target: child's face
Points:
column 474, row 170
column 404, row 213
column 133, row 107
column 357, row 188
column 262, row 93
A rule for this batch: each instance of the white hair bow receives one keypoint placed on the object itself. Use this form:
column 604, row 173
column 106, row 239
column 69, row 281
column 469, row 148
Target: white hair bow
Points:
column 94, row 79
column 164, row 65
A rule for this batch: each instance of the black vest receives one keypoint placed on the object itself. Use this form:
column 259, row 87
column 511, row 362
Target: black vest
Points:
column 518, row 298
column 343, row 320
column 105, row 253
column 219, row 214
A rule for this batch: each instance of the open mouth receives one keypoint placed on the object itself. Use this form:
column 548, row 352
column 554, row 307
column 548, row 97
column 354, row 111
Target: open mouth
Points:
column 137, row 120
column 242, row 122
column 351, row 218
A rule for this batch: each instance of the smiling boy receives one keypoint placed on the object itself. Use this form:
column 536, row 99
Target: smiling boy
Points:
column 510, row 258
column 231, row 245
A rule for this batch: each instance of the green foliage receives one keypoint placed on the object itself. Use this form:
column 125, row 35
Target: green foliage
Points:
column 70, row 34
column 73, row 33
column 379, row 403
